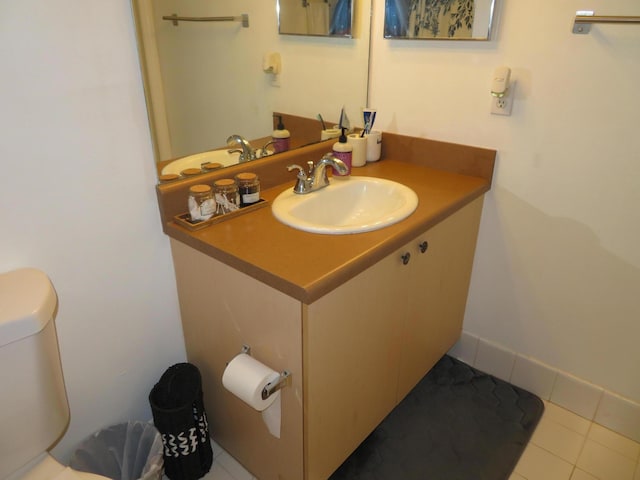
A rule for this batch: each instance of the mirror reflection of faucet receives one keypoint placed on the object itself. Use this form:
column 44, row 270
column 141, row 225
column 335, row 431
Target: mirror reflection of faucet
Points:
column 263, row 152
column 246, row 151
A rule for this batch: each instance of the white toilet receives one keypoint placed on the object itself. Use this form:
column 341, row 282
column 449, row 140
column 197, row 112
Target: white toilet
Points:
column 34, row 412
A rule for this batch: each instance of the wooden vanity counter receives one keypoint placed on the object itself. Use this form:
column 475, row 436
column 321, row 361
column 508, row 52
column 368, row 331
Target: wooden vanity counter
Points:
column 306, row 266
column 344, row 314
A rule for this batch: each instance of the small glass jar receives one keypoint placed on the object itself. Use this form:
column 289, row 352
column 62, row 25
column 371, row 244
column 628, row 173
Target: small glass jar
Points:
column 248, row 187
column 168, row 177
column 201, row 204
column 190, row 172
column 210, row 166
column 226, row 194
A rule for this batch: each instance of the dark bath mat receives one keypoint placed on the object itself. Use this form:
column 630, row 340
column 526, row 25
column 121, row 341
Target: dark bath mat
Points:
column 457, row 424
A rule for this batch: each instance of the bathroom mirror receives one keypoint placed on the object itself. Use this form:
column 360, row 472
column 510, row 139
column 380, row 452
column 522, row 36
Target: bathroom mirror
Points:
column 315, row 17
column 439, row 19
column 206, row 80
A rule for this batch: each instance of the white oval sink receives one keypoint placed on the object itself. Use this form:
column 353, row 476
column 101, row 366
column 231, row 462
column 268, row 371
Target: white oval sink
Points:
column 347, row 205
column 195, row 161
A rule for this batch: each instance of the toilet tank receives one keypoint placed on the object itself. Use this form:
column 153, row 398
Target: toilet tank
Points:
column 33, row 405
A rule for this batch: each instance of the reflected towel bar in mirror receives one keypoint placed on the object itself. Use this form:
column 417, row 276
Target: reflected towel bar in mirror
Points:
column 244, row 18
column 585, row 18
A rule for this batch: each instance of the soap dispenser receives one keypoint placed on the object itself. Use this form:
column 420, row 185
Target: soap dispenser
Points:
column 280, row 137
column 343, row 150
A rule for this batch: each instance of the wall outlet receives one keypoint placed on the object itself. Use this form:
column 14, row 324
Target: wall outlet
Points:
column 502, row 105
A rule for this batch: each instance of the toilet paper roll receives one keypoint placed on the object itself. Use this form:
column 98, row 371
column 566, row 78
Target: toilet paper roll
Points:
column 272, row 416
column 245, row 377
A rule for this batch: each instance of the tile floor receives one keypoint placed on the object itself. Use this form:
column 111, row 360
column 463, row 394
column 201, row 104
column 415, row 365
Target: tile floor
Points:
column 564, row 446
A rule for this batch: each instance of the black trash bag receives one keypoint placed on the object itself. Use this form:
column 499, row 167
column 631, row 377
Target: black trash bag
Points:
column 179, row 415
column 126, row 451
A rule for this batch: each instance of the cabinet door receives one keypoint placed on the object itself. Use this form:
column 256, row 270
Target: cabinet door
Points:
column 438, row 275
column 351, row 353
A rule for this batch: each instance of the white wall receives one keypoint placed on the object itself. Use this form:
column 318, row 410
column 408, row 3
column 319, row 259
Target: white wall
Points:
column 557, row 272
column 77, row 200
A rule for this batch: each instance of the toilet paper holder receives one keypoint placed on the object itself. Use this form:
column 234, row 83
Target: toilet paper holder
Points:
column 274, row 385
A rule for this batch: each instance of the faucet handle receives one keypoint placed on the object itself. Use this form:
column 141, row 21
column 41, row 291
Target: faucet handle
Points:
column 301, row 173
column 301, row 183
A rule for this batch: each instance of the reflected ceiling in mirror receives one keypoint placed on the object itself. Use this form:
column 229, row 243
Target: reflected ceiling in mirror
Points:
column 439, row 19
column 325, row 18
column 206, row 81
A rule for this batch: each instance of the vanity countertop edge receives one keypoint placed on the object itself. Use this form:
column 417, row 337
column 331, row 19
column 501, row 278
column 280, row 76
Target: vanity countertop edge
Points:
column 307, row 266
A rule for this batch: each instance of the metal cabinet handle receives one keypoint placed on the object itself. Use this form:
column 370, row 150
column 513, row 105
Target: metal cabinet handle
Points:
column 405, row 258
column 423, row 246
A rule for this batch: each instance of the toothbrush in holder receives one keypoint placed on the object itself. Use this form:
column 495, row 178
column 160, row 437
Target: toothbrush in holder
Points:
column 324, row 127
column 366, row 130
column 369, row 115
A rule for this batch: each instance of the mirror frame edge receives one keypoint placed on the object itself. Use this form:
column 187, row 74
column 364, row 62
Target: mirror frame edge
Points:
column 152, row 118
column 328, row 35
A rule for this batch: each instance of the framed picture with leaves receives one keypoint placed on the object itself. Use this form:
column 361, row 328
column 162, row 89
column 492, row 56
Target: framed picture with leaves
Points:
column 439, row 19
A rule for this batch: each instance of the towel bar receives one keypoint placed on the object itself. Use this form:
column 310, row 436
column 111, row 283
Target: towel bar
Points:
column 585, row 18
column 175, row 18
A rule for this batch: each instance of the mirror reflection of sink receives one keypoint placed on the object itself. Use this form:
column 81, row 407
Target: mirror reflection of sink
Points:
column 223, row 157
column 195, row 161
column 349, row 205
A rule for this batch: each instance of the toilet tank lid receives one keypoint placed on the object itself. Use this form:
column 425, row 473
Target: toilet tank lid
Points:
column 27, row 303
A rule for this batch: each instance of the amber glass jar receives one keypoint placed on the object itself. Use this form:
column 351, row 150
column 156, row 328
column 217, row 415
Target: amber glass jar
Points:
column 248, row 187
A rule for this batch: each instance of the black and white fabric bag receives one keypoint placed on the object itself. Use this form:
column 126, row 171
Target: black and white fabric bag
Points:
column 179, row 415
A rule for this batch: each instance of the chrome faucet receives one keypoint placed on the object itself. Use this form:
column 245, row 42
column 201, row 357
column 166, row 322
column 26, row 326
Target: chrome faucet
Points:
column 246, row 150
column 317, row 177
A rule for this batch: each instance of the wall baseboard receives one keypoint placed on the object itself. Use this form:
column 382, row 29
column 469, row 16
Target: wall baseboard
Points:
column 590, row 401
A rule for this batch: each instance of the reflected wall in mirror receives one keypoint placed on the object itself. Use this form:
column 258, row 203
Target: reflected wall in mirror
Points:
column 204, row 81
column 439, row 19
column 315, row 17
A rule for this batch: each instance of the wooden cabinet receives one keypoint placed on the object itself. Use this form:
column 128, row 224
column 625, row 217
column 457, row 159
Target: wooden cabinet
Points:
column 367, row 343
column 437, row 283
column 354, row 353
column 351, row 350
column 222, row 309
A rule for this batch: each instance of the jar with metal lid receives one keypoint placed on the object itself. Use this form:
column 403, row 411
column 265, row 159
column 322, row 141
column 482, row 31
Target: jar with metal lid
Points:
column 226, row 195
column 201, row 204
column 248, row 187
